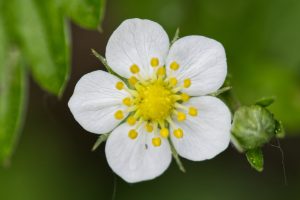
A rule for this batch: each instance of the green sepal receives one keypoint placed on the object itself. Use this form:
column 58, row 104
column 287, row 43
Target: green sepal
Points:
column 265, row 102
column 176, row 36
column 107, row 67
column 102, row 138
column 279, row 129
column 176, row 156
column 256, row 159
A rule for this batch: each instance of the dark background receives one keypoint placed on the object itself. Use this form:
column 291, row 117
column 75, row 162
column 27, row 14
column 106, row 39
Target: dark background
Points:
column 262, row 41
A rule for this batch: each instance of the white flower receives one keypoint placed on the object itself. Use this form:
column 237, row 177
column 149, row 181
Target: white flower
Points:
column 166, row 98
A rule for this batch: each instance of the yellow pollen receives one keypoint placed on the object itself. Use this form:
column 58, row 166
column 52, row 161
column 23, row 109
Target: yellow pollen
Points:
column 119, row 115
column 161, row 71
column 155, row 101
column 181, row 116
column 149, row 128
column 131, row 120
column 173, row 81
column 178, row 133
column 132, row 80
column 156, row 141
column 132, row 134
column 187, row 83
column 154, row 62
column 134, row 69
column 193, row 111
column 119, row 85
column 174, row 66
column 184, row 97
column 164, row 132
column 127, row 101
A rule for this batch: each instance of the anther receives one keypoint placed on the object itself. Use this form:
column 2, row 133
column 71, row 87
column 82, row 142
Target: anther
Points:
column 181, row 116
column 132, row 134
column 161, row 71
column 134, row 69
column 178, row 133
column 187, row 83
column 132, row 80
column 127, row 101
column 193, row 111
column 154, row 62
column 164, row 132
column 174, row 66
column 184, row 97
column 173, row 81
column 149, row 127
column 131, row 120
column 156, row 141
column 119, row 115
column 119, row 85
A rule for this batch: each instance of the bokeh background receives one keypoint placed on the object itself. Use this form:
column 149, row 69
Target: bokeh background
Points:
column 262, row 40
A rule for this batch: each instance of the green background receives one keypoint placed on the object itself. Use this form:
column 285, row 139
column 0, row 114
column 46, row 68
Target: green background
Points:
column 262, row 40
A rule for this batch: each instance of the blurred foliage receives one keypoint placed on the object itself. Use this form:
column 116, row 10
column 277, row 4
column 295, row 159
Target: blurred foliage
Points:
column 35, row 33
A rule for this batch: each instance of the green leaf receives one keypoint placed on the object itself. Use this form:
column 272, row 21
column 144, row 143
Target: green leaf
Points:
column 86, row 13
column 253, row 126
column 41, row 31
column 265, row 102
column 13, row 86
column 102, row 138
column 256, row 159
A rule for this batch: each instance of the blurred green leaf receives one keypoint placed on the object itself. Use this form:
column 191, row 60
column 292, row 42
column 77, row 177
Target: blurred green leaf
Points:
column 13, row 86
column 41, row 32
column 256, row 159
column 253, row 126
column 86, row 13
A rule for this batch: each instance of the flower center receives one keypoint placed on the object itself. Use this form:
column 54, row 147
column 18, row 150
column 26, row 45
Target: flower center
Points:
column 155, row 101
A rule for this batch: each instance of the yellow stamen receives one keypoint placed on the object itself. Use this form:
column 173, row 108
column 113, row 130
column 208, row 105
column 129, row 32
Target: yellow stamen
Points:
column 132, row 134
column 131, row 120
column 161, row 71
column 149, row 127
column 164, row 132
column 184, row 97
column 134, row 69
column 156, row 141
column 173, row 81
column 119, row 85
column 132, row 80
column 181, row 116
column 187, row 83
column 119, row 115
column 127, row 101
column 154, row 62
column 178, row 133
column 193, row 111
column 174, row 66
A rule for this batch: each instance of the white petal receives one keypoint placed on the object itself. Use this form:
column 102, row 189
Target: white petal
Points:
column 136, row 159
column 95, row 100
column 207, row 134
column 136, row 41
column 201, row 59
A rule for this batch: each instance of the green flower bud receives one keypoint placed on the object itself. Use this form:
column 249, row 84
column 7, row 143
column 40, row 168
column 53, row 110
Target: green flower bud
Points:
column 252, row 127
